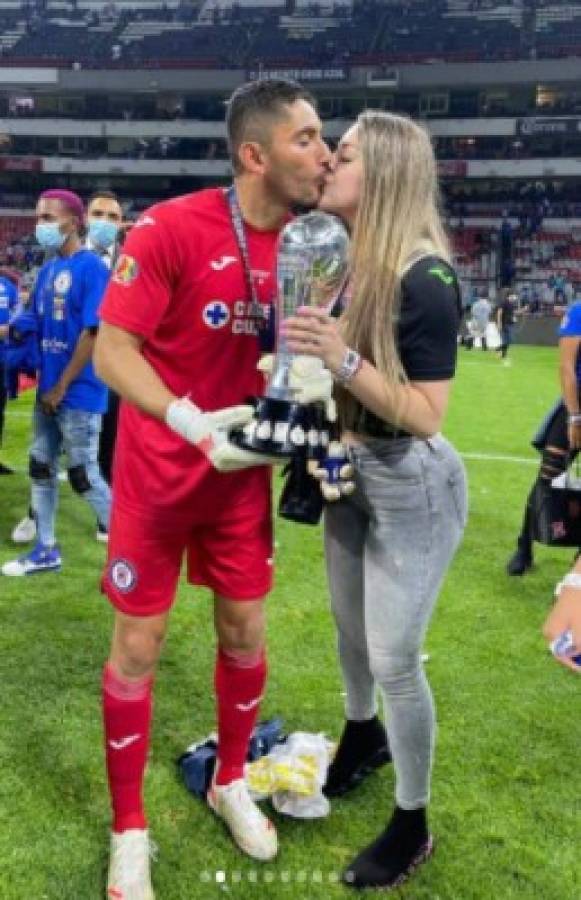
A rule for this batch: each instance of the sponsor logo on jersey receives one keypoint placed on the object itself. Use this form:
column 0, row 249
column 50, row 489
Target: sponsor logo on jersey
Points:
column 62, row 282
column 440, row 272
column 53, row 345
column 123, row 575
column 216, row 314
column 218, row 264
column 243, row 320
column 143, row 221
column 126, row 270
column 59, row 308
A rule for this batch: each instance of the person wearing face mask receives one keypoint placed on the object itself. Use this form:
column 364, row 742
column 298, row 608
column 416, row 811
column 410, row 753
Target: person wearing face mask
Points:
column 104, row 221
column 70, row 398
column 389, row 544
column 103, row 227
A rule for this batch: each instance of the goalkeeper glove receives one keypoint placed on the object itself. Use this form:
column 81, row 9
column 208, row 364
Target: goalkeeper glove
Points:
column 335, row 473
column 209, row 432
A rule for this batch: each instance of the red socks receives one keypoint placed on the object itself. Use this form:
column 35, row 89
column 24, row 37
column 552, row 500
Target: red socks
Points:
column 127, row 717
column 239, row 682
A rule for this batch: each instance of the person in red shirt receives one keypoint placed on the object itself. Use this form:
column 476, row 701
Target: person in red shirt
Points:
column 180, row 341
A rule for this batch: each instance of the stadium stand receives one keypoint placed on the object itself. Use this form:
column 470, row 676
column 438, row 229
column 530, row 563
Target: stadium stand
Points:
column 228, row 34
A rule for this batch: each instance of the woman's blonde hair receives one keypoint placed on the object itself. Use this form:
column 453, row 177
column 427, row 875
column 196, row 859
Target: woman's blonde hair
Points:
column 397, row 222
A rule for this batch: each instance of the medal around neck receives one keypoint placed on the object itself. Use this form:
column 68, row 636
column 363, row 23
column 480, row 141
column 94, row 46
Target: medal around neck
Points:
column 311, row 268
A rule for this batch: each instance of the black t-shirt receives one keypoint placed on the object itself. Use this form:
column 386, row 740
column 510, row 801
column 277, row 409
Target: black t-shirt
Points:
column 506, row 313
column 426, row 331
column 429, row 320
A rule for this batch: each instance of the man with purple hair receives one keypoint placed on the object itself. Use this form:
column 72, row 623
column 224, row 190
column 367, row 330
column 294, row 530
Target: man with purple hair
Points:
column 71, row 399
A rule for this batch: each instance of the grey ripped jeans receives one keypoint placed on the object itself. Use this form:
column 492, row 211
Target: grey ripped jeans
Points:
column 388, row 547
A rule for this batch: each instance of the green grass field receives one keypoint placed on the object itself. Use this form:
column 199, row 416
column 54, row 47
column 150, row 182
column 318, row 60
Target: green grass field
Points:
column 506, row 783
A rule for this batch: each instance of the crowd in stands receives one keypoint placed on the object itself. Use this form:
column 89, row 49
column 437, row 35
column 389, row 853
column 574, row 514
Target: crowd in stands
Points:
column 545, row 261
column 230, row 33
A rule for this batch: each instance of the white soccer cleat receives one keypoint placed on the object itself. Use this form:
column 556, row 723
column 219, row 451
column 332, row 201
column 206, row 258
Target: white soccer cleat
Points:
column 251, row 830
column 129, row 877
column 25, row 531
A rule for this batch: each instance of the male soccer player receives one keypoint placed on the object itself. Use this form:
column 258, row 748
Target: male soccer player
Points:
column 70, row 399
column 179, row 337
column 104, row 229
column 104, row 220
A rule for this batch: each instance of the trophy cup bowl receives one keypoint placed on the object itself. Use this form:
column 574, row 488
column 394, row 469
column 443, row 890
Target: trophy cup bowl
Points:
column 311, row 268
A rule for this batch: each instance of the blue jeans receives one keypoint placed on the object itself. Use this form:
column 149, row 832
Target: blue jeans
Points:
column 77, row 433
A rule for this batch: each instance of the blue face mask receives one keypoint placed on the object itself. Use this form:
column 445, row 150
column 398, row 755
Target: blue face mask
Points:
column 103, row 233
column 49, row 235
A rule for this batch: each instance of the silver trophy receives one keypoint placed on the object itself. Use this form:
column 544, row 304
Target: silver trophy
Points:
column 311, row 268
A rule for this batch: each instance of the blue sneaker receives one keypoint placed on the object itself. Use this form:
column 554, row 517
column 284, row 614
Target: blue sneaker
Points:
column 40, row 559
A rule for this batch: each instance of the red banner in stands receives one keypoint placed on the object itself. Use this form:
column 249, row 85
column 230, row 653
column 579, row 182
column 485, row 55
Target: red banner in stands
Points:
column 452, row 168
column 20, row 164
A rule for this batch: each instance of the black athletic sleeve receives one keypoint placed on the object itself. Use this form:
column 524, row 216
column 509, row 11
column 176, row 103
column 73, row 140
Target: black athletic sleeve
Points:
column 429, row 321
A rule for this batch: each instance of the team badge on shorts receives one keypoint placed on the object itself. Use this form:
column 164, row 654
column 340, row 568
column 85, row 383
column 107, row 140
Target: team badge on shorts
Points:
column 123, row 575
column 126, row 270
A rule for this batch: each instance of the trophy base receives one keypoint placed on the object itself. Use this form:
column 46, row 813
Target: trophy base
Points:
column 281, row 428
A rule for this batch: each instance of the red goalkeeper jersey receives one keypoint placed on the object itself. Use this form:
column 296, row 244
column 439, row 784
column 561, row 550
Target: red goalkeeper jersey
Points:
column 180, row 284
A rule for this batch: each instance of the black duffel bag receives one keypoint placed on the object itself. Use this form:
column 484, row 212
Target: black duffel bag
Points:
column 556, row 518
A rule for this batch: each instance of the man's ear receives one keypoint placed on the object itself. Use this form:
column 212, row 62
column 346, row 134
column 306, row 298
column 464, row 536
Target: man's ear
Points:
column 252, row 157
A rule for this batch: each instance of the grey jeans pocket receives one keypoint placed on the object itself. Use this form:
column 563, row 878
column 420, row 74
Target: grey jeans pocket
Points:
column 456, row 480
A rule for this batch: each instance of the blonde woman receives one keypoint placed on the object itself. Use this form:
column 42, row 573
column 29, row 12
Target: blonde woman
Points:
column 389, row 544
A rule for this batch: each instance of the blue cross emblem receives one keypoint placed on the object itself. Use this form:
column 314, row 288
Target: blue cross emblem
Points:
column 216, row 314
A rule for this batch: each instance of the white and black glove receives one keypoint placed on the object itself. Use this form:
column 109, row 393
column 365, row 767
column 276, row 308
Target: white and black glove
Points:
column 335, row 473
column 309, row 380
column 209, row 432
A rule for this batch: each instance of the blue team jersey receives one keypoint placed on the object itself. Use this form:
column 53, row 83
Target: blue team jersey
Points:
column 8, row 299
column 65, row 298
column 571, row 327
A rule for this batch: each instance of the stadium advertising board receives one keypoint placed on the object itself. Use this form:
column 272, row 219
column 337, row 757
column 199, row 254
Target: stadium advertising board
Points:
column 332, row 73
column 20, row 164
column 452, row 168
column 532, row 127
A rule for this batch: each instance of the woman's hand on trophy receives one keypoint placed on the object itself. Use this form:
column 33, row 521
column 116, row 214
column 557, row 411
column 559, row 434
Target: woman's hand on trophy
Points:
column 335, row 473
column 209, row 432
column 313, row 333
column 309, row 380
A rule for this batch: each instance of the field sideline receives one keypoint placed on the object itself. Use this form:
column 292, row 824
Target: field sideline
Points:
column 506, row 783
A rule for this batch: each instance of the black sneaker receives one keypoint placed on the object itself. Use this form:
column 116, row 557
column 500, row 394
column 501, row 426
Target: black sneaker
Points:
column 6, row 470
column 521, row 560
column 362, row 749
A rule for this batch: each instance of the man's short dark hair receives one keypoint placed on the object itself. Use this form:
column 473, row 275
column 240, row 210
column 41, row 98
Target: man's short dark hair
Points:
column 255, row 106
column 104, row 195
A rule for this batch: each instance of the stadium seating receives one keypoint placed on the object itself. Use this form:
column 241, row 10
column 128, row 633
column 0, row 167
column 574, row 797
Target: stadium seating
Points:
column 234, row 33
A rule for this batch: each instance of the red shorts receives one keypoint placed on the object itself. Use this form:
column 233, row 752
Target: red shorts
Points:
column 228, row 550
